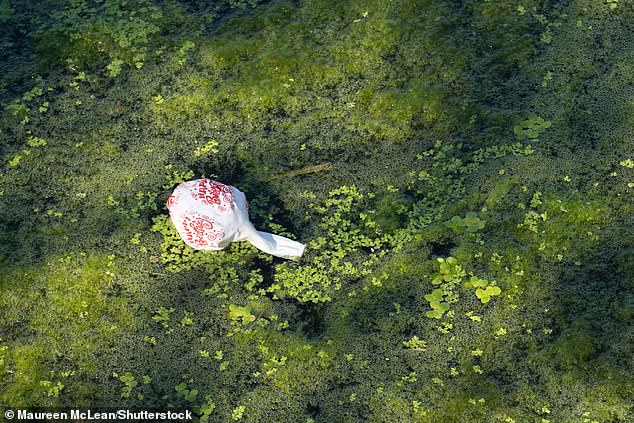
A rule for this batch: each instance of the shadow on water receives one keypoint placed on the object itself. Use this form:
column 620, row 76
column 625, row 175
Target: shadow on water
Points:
column 313, row 325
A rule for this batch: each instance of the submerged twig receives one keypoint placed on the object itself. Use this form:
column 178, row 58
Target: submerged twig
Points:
column 324, row 167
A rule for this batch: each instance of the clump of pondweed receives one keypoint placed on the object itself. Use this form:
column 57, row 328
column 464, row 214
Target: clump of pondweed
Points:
column 531, row 128
column 241, row 313
column 348, row 246
column 449, row 277
column 471, row 223
column 437, row 301
column 85, row 32
column 484, row 289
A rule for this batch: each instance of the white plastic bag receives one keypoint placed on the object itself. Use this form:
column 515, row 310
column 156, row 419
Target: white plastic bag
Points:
column 209, row 215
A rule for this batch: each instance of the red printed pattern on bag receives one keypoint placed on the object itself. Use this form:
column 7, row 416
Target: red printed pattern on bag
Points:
column 171, row 201
column 212, row 193
column 200, row 231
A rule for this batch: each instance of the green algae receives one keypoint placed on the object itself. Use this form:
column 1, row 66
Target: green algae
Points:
column 418, row 108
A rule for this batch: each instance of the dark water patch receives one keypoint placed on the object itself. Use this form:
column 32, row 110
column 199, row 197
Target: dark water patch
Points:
column 442, row 249
column 313, row 410
column 312, row 318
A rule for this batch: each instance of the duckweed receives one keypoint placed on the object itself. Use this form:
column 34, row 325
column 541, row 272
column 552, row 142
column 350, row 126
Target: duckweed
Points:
column 452, row 230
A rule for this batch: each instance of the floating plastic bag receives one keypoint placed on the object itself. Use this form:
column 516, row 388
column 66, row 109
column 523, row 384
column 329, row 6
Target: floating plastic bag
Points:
column 210, row 215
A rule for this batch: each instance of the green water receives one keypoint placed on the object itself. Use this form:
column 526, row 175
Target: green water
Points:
column 462, row 172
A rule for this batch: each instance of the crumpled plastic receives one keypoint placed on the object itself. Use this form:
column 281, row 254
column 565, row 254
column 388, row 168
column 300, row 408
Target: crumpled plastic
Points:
column 210, row 215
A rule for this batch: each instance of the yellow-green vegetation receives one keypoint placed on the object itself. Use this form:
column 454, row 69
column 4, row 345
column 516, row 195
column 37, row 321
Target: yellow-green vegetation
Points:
column 61, row 315
column 461, row 173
